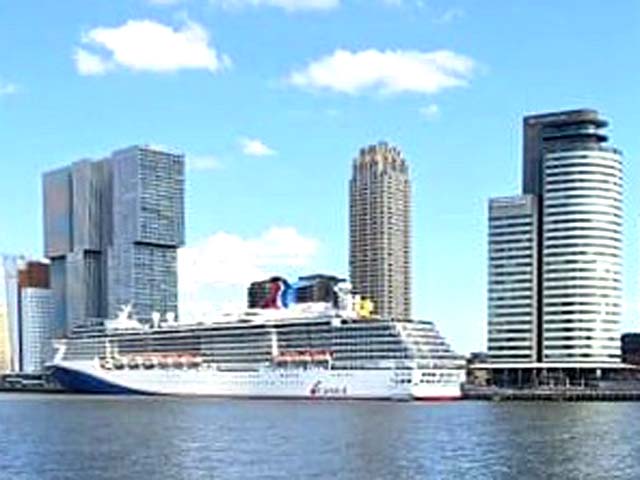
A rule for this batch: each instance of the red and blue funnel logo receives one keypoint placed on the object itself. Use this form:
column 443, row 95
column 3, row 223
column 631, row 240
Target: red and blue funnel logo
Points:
column 280, row 295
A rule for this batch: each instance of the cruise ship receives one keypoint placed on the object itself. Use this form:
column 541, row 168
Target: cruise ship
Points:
column 305, row 351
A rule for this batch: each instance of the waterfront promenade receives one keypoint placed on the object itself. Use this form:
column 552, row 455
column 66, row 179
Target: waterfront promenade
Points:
column 567, row 394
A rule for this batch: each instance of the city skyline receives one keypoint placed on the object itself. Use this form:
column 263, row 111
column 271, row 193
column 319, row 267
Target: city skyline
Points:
column 269, row 157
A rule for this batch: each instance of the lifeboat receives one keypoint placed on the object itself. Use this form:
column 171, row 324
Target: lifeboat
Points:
column 193, row 362
column 149, row 363
column 320, row 356
column 284, row 358
column 133, row 363
column 177, row 362
column 106, row 364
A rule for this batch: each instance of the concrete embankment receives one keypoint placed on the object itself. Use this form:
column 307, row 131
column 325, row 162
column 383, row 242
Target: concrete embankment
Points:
column 550, row 394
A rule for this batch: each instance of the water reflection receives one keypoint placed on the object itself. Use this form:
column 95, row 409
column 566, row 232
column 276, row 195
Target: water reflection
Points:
column 130, row 438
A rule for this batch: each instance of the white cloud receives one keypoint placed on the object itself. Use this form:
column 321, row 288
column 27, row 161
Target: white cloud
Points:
column 164, row 2
column 450, row 15
column 88, row 63
column 145, row 45
column 7, row 88
column 203, row 162
column 389, row 71
column 431, row 112
column 289, row 5
column 228, row 259
column 223, row 265
column 255, row 148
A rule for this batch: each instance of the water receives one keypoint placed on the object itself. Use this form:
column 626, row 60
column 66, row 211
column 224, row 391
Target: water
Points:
column 79, row 438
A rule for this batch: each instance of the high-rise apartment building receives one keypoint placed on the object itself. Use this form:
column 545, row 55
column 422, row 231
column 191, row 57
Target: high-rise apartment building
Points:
column 380, row 230
column 112, row 229
column 574, row 181
column 26, row 317
column 36, row 317
column 9, row 313
column 148, row 227
column 77, row 226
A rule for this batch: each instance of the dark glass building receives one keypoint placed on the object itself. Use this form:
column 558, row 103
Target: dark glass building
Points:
column 112, row 228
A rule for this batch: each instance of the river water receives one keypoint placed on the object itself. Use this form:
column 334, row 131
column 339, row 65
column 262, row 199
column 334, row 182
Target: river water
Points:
column 79, row 438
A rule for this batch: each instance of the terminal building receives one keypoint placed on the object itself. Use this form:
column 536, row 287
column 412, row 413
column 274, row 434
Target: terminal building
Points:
column 555, row 256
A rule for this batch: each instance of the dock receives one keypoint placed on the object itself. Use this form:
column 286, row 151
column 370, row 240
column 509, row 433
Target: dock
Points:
column 555, row 394
column 28, row 383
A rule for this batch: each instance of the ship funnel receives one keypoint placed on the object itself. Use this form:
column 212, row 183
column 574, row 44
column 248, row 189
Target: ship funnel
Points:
column 344, row 292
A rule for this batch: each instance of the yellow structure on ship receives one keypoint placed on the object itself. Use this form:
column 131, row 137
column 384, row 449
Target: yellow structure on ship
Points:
column 363, row 307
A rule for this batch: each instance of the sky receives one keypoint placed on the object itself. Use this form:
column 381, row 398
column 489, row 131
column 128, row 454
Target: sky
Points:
column 270, row 100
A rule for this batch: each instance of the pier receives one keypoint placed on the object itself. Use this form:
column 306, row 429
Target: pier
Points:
column 556, row 394
column 553, row 382
column 28, row 382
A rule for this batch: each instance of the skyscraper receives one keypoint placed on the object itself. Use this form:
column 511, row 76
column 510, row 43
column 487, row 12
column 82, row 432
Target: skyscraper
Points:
column 77, row 227
column 148, row 227
column 380, row 230
column 9, row 313
column 36, row 317
column 574, row 270
column 512, row 283
column 25, row 314
column 112, row 229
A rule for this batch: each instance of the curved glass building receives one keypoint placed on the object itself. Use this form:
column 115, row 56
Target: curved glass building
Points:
column 555, row 268
column 581, row 242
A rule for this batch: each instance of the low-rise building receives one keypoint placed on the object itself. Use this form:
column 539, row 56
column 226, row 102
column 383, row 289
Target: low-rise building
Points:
column 630, row 343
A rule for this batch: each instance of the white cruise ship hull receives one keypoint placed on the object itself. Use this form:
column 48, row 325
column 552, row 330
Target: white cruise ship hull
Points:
column 268, row 382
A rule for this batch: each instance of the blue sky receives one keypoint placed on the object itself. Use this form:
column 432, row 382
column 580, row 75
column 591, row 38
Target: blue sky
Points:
column 271, row 100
